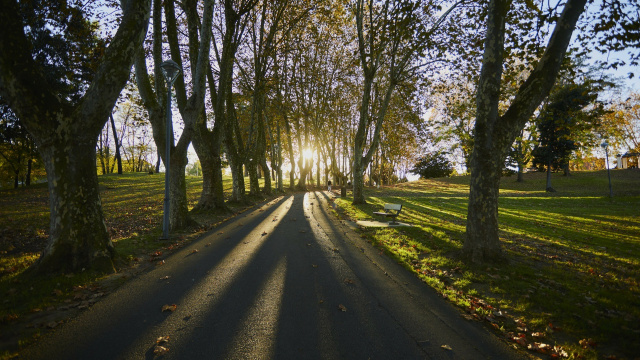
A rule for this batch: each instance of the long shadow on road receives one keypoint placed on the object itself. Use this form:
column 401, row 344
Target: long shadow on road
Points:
column 280, row 281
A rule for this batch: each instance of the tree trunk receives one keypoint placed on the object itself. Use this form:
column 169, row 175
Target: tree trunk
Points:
column 254, row 185
column 207, row 145
column 78, row 234
column 118, row 144
column 267, row 175
column 29, row 165
column 237, row 178
column 358, row 182
column 520, row 173
column 157, row 161
column 482, row 243
column 549, row 188
column 178, row 208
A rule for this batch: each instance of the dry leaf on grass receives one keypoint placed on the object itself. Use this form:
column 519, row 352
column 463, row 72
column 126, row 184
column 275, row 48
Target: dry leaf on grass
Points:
column 160, row 350
column 446, row 347
column 342, row 307
column 162, row 339
column 171, row 307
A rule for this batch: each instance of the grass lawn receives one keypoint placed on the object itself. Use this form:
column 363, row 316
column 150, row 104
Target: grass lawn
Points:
column 573, row 258
column 132, row 205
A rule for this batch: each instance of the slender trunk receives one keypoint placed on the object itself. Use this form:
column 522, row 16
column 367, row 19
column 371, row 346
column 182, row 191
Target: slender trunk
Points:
column 157, row 162
column 29, row 165
column 73, row 196
column 549, row 188
column 101, row 152
column 118, row 145
column 520, row 172
column 292, row 160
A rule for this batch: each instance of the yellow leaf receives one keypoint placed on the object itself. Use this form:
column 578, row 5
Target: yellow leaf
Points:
column 171, row 308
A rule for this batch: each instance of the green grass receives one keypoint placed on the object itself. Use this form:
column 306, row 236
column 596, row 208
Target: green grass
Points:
column 573, row 264
column 132, row 205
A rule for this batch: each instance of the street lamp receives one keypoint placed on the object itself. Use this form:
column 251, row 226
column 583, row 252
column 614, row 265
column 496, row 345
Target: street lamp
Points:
column 170, row 70
column 605, row 146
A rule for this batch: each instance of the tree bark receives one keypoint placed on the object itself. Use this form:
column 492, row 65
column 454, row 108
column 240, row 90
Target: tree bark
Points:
column 79, row 237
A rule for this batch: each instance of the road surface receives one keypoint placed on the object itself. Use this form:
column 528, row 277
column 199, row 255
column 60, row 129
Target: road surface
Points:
column 285, row 280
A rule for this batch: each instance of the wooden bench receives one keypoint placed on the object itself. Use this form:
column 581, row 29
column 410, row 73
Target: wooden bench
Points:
column 392, row 211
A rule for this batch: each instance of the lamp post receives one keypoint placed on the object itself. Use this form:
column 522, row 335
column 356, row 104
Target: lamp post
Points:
column 605, row 146
column 170, row 70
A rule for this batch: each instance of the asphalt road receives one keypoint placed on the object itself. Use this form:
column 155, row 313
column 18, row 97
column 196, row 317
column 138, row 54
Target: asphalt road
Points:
column 274, row 283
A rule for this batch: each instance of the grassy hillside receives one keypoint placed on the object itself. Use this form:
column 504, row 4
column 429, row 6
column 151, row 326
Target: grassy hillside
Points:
column 572, row 266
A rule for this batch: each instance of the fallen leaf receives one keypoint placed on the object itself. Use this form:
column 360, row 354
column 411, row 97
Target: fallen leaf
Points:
column 165, row 277
column 194, row 251
column 160, row 263
column 162, row 339
column 171, row 307
column 342, row 307
column 160, row 350
column 446, row 347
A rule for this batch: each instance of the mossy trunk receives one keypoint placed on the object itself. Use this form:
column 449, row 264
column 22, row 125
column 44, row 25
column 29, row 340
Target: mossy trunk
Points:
column 237, row 178
column 482, row 243
column 178, row 208
column 78, row 235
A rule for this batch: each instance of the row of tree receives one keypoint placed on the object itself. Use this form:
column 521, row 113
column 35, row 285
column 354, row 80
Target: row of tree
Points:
column 339, row 81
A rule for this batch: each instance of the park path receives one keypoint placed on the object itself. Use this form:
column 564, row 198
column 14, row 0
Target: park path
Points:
column 285, row 280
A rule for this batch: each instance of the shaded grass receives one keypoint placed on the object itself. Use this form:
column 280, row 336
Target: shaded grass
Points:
column 573, row 269
column 132, row 205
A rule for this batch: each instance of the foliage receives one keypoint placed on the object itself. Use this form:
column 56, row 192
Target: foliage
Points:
column 621, row 126
column 560, row 122
column 432, row 166
column 572, row 273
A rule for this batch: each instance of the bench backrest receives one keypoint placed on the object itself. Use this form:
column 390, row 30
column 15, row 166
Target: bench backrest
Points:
column 396, row 207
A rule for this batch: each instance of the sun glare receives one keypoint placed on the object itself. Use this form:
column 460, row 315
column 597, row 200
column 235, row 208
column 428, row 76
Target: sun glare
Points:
column 307, row 153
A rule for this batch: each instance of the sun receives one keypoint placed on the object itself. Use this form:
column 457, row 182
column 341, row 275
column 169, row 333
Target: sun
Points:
column 307, row 153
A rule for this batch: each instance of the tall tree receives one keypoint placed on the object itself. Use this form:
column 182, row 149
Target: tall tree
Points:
column 392, row 36
column 495, row 132
column 191, row 108
column 66, row 132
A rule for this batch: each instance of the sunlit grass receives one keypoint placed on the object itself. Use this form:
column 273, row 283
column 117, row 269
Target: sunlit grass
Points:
column 573, row 256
